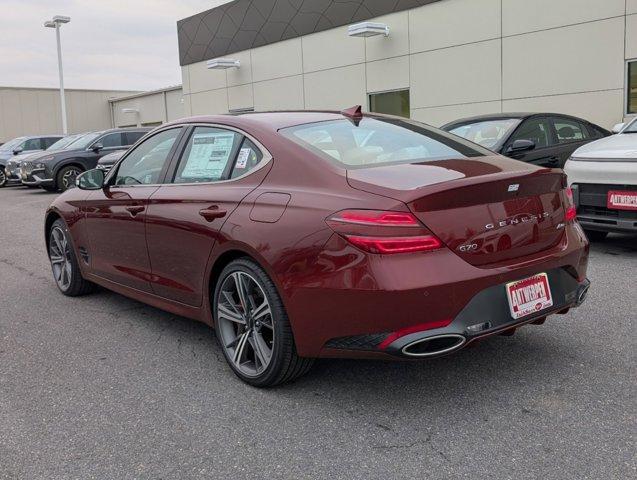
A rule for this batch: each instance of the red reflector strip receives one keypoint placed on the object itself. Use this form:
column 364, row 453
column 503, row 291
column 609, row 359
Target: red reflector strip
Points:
column 395, row 244
column 415, row 329
column 571, row 214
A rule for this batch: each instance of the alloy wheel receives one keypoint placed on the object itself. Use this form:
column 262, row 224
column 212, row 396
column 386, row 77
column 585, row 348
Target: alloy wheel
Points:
column 3, row 178
column 68, row 179
column 244, row 323
column 60, row 255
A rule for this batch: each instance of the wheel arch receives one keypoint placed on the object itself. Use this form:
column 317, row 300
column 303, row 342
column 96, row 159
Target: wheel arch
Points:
column 223, row 259
column 49, row 220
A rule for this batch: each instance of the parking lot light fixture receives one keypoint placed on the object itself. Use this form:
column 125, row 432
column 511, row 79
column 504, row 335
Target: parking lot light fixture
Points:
column 222, row 64
column 368, row 29
column 55, row 23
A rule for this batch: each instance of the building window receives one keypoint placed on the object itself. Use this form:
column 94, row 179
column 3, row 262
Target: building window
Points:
column 632, row 87
column 391, row 103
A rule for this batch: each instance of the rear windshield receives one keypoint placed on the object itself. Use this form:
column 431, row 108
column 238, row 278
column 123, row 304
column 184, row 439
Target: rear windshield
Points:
column 380, row 141
column 488, row 133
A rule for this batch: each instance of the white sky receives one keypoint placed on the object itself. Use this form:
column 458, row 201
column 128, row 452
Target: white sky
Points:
column 109, row 44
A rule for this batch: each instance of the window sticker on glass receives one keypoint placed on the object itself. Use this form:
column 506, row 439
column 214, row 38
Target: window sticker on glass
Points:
column 244, row 155
column 209, row 155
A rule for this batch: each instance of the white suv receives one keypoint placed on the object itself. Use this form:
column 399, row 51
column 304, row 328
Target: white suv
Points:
column 603, row 177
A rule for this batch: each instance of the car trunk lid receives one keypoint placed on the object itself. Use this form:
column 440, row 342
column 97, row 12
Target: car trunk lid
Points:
column 486, row 210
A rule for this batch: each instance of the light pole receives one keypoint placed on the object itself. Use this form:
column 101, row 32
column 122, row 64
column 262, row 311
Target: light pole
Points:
column 55, row 23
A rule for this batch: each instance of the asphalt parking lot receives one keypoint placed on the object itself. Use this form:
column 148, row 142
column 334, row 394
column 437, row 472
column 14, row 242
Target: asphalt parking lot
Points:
column 105, row 387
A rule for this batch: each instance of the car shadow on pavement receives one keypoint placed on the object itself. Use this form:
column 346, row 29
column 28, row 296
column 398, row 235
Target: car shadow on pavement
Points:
column 489, row 364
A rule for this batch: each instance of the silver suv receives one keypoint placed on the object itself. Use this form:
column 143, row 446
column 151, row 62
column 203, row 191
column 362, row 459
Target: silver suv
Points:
column 22, row 146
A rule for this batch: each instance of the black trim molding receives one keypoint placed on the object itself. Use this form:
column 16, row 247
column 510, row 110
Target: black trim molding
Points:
column 245, row 24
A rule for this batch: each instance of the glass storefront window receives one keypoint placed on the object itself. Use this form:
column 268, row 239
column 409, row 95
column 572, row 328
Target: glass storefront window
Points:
column 632, row 87
column 391, row 103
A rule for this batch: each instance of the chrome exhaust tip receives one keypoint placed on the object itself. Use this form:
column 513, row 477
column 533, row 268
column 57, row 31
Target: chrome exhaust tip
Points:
column 433, row 346
column 582, row 294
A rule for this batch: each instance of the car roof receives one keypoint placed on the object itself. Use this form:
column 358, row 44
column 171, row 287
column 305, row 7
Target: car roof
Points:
column 509, row 115
column 266, row 120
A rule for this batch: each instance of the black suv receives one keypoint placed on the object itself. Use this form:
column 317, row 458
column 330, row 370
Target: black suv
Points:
column 58, row 170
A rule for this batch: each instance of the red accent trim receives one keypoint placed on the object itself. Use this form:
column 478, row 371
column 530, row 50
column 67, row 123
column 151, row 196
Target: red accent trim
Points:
column 388, row 245
column 415, row 329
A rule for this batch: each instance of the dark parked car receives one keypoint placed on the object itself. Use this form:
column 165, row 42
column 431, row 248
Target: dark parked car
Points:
column 58, row 170
column 107, row 161
column 23, row 146
column 12, row 170
column 313, row 234
column 545, row 139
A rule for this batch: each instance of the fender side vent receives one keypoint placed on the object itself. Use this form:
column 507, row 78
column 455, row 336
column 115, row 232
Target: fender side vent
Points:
column 84, row 254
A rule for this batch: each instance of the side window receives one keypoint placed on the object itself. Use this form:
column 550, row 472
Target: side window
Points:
column 143, row 166
column 47, row 142
column 568, row 131
column 208, row 155
column 535, row 129
column 132, row 137
column 248, row 157
column 111, row 140
column 32, row 144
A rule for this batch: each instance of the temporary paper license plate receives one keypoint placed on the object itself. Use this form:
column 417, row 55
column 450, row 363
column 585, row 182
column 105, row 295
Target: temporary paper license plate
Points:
column 529, row 296
column 619, row 200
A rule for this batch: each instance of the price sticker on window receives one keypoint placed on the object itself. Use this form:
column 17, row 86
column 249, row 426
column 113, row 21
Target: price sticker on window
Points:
column 242, row 159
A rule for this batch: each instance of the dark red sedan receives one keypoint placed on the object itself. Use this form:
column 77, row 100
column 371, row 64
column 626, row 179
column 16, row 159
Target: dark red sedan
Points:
column 322, row 234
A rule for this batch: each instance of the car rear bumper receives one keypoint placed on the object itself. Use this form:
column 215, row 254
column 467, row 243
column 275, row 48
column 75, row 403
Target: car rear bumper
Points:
column 488, row 314
column 436, row 293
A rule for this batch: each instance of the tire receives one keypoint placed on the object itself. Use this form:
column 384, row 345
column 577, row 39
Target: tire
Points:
column 596, row 235
column 65, row 178
column 264, row 328
column 3, row 177
column 64, row 264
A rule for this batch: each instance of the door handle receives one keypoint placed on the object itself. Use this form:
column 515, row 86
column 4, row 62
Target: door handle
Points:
column 135, row 210
column 212, row 213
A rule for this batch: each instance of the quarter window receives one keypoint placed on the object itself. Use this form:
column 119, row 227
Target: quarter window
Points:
column 208, row 155
column 535, row 129
column 568, row 131
column 248, row 157
column 144, row 165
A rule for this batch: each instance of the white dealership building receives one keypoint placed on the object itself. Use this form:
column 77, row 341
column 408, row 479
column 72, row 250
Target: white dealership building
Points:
column 442, row 59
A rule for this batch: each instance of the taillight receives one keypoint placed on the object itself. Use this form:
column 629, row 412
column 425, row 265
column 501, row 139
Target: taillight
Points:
column 383, row 232
column 571, row 211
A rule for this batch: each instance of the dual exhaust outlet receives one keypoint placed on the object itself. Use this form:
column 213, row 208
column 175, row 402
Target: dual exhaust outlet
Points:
column 434, row 346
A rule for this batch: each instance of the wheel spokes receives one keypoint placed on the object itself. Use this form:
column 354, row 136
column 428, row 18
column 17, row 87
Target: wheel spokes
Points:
column 233, row 316
column 240, row 348
column 261, row 349
column 245, row 324
column 241, row 290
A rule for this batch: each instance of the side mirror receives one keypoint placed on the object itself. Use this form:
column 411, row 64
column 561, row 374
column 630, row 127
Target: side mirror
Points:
column 618, row 128
column 90, row 180
column 97, row 147
column 522, row 145
column 18, row 150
